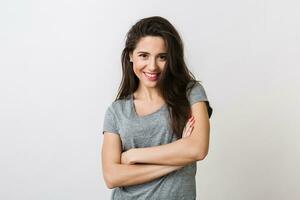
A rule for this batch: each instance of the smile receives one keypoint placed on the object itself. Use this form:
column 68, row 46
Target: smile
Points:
column 151, row 76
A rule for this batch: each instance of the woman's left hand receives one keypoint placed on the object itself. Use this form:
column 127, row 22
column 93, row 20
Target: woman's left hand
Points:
column 188, row 127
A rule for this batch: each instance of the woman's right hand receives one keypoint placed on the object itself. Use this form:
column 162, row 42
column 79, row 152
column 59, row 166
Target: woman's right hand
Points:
column 188, row 127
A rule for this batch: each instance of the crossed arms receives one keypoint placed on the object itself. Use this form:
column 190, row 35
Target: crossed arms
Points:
column 141, row 165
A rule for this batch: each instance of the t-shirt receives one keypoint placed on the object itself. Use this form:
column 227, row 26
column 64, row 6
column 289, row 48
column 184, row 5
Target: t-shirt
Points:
column 152, row 130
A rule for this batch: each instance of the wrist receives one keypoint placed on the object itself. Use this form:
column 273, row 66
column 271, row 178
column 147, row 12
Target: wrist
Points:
column 132, row 157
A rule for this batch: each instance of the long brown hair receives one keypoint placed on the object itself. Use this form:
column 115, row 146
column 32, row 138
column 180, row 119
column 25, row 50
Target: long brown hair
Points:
column 173, row 80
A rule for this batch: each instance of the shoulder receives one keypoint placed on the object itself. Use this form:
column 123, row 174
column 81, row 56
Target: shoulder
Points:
column 195, row 93
column 114, row 114
column 119, row 105
column 195, row 90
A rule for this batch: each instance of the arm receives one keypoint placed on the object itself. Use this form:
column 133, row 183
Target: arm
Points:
column 117, row 174
column 179, row 152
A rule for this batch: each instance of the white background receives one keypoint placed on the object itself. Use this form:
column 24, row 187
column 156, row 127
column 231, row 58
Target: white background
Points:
column 60, row 69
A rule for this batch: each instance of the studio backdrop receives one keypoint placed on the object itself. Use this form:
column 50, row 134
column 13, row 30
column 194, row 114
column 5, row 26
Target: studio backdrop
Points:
column 61, row 67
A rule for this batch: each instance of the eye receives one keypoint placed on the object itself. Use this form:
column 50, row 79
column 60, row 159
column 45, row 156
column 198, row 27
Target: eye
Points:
column 143, row 55
column 163, row 57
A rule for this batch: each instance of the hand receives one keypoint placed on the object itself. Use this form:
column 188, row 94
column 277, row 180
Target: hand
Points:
column 126, row 158
column 188, row 127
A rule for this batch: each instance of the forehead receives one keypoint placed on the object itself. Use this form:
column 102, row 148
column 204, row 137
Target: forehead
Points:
column 151, row 44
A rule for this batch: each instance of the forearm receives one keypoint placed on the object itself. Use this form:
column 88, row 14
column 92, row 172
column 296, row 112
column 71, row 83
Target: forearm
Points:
column 179, row 152
column 126, row 175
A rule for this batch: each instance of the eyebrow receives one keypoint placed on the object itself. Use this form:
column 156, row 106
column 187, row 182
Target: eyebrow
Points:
column 149, row 53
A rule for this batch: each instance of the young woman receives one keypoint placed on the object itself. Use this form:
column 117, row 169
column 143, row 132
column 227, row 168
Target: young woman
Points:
column 158, row 126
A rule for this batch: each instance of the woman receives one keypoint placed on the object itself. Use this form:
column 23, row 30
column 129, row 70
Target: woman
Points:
column 158, row 126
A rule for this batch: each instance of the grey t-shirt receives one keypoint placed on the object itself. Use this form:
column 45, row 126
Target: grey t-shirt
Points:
column 146, row 131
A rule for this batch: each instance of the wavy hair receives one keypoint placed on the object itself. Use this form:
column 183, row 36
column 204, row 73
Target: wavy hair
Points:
column 174, row 79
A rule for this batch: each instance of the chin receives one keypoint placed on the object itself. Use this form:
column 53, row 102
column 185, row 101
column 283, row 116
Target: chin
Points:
column 153, row 85
column 150, row 84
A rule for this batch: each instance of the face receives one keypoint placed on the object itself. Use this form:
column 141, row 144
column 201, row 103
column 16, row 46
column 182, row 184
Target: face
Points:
column 149, row 59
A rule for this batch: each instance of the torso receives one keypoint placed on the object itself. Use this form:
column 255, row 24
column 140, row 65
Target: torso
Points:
column 149, row 130
column 153, row 129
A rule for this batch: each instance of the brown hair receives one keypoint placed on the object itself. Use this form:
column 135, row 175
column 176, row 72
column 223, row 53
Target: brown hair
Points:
column 173, row 81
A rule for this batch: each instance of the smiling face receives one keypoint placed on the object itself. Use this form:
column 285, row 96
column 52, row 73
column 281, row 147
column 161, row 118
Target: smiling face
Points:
column 149, row 59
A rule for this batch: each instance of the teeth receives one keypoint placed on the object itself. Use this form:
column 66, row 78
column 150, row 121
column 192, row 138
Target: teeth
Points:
column 151, row 75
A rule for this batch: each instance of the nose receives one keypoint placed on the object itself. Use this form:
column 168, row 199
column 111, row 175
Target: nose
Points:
column 152, row 66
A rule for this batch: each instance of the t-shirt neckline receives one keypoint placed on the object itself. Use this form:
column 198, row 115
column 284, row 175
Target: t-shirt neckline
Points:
column 144, row 116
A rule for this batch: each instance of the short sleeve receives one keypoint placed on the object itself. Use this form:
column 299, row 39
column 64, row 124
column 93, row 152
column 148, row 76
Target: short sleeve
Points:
column 197, row 93
column 110, row 123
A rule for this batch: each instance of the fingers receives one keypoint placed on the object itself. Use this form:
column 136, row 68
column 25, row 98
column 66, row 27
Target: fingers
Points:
column 188, row 133
column 188, row 127
column 191, row 122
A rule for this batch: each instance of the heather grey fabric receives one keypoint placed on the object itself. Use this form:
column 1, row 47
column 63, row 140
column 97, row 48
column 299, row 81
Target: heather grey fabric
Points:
column 152, row 130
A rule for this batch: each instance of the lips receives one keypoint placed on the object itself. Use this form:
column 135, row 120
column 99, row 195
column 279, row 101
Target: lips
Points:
column 151, row 76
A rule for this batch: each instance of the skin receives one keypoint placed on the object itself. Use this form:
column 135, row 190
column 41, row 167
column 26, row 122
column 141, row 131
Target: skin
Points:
column 148, row 56
column 131, row 174
column 146, row 99
column 180, row 152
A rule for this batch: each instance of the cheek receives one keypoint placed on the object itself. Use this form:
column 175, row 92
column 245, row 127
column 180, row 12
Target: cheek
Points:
column 138, row 66
column 162, row 66
column 137, row 71
column 139, row 63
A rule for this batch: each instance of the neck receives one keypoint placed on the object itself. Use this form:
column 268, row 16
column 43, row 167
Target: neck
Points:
column 146, row 93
